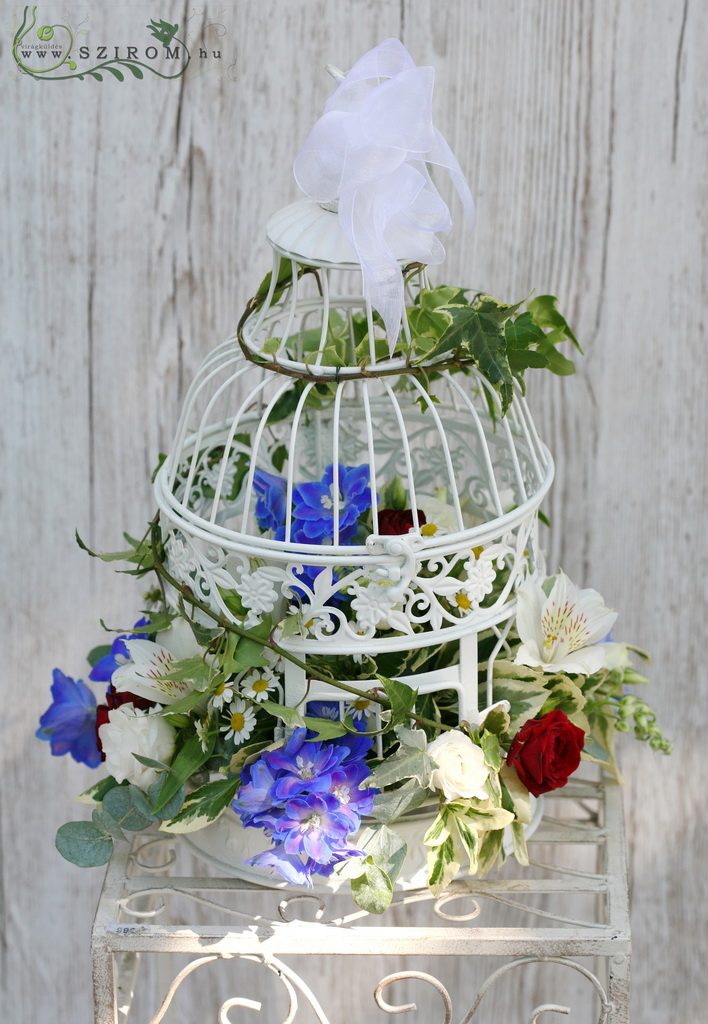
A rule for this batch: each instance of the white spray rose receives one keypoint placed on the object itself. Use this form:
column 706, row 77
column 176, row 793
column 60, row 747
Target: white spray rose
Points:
column 131, row 731
column 461, row 771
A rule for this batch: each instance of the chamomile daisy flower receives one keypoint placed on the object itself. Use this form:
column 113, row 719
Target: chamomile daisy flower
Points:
column 257, row 684
column 360, row 708
column 241, row 721
column 223, row 694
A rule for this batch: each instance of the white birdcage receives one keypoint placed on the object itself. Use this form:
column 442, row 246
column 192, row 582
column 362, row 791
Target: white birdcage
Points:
column 306, row 393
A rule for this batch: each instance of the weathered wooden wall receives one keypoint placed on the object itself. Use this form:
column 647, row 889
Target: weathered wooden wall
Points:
column 132, row 235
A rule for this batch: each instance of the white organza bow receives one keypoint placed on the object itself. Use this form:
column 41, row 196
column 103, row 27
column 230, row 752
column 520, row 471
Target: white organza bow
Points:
column 369, row 151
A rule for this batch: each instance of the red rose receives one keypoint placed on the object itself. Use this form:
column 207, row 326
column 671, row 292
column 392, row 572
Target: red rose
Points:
column 546, row 751
column 395, row 521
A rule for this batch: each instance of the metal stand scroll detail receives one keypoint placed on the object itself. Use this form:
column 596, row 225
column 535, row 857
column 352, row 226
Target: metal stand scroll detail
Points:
column 139, row 891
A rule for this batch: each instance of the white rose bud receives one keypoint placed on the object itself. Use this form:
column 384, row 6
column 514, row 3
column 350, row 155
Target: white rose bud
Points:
column 131, row 731
column 461, row 771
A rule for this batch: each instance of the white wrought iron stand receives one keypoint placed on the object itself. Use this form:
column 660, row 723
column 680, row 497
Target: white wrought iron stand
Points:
column 135, row 899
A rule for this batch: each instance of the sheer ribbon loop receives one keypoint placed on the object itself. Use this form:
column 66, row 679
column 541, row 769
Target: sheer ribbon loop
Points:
column 370, row 151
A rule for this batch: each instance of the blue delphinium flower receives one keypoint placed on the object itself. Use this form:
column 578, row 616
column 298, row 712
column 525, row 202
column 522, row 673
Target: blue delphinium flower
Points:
column 270, row 507
column 104, row 668
column 69, row 723
column 305, row 795
column 314, row 503
column 312, row 519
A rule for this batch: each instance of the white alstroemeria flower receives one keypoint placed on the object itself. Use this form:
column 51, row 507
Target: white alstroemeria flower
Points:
column 241, row 722
column 150, row 661
column 131, row 731
column 440, row 518
column 561, row 632
column 257, row 684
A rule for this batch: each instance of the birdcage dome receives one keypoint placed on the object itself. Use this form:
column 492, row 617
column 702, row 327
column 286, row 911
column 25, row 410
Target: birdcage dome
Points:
column 319, row 478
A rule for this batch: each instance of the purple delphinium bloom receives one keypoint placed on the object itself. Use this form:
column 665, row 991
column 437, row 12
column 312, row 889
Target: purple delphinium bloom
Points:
column 104, row 668
column 314, row 505
column 69, row 723
column 305, row 796
column 270, row 507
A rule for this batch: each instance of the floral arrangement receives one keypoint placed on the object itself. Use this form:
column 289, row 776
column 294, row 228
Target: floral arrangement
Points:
column 189, row 721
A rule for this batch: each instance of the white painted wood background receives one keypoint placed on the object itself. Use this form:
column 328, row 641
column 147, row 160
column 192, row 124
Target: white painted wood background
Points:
column 132, row 234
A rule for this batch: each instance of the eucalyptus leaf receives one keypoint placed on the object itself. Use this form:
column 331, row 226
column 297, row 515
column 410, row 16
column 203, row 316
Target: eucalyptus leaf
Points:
column 119, row 803
column 103, row 820
column 83, row 843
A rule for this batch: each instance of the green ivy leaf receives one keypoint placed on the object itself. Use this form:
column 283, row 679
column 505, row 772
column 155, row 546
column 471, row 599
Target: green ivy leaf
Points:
column 544, row 313
column 291, row 716
column 386, row 848
column 278, row 457
column 402, row 698
column 325, row 728
column 390, row 806
column 372, row 890
column 83, row 843
column 521, row 333
column 480, row 334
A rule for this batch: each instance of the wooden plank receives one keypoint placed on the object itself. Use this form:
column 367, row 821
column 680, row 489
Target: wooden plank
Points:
column 133, row 236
